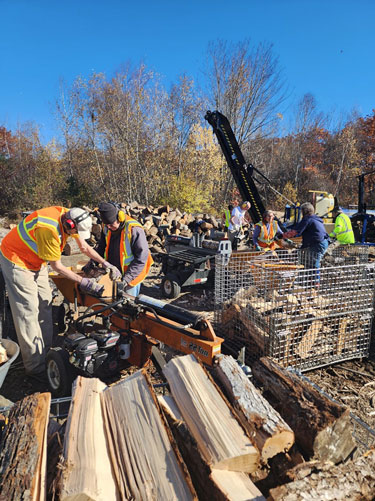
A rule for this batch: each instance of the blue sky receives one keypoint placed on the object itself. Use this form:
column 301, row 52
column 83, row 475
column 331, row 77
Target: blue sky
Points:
column 325, row 48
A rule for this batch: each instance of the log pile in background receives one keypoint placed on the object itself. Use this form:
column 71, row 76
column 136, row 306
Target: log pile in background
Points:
column 157, row 223
column 213, row 438
column 161, row 221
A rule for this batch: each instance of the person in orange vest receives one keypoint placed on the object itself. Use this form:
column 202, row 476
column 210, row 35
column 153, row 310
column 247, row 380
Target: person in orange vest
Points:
column 123, row 244
column 266, row 231
column 24, row 253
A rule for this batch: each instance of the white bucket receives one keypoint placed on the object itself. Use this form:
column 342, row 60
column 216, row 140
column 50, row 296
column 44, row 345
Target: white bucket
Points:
column 13, row 350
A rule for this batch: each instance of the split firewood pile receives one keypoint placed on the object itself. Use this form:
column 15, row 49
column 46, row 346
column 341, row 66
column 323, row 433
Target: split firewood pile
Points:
column 279, row 309
column 216, row 436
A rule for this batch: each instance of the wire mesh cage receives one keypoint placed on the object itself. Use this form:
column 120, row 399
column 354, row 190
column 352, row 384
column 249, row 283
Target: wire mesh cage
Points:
column 294, row 307
column 346, row 254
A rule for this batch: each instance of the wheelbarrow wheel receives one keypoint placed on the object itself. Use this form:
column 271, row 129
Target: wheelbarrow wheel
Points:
column 60, row 373
column 170, row 286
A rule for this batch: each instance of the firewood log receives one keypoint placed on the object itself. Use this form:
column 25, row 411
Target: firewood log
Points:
column 209, row 484
column 221, row 440
column 308, row 339
column 88, row 473
column 23, row 449
column 253, row 331
column 147, row 226
column 163, row 209
column 145, row 457
column 269, row 431
column 71, row 247
column 322, row 428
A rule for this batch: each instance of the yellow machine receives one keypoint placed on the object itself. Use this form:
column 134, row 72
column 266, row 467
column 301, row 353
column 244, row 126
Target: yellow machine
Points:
column 323, row 203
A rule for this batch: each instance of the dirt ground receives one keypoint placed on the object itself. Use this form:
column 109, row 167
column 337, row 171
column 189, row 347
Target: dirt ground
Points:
column 351, row 383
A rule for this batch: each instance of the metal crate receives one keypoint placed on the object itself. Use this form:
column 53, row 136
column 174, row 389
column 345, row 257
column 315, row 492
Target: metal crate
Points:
column 346, row 254
column 279, row 305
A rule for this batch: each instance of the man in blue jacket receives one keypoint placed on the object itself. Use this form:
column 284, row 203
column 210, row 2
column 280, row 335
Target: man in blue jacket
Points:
column 314, row 237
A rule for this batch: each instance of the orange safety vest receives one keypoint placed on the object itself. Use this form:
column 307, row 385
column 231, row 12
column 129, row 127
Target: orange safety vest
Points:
column 265, row 239
column 19, row 245
column 126, row 254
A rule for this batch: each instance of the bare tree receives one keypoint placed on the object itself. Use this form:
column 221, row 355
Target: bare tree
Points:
column 184, row 110
column 246, row 85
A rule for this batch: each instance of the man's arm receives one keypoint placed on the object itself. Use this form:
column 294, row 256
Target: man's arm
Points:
column 300, row 227
column 89, row 251
column 59, row 268
column 247, row 217
column 256, row 234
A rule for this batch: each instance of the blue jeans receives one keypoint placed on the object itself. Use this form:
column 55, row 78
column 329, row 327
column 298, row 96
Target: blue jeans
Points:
column 312, row 256
column 134, row 291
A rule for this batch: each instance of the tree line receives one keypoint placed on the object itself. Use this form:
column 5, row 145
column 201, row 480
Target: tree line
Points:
column 128, row 138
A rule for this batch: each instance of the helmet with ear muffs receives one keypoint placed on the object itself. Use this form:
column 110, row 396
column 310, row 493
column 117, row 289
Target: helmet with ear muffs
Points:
column 80, row 220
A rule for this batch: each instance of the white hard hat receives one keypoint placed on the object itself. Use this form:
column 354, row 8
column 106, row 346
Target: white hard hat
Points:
column 82, row 221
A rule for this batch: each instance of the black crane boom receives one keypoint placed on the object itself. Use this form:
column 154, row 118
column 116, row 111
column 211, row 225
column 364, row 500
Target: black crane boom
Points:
column 242, row 173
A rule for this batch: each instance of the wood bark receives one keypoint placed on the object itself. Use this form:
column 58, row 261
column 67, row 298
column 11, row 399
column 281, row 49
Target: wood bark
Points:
column 221, row 440
column 322, row 427
column 146, row 460
column 24, row 448
column 88, row 472
column 55, row 441
column 270, row 433
column 354, row 480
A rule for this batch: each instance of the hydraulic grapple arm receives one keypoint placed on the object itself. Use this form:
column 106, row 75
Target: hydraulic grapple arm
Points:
column 241, row 172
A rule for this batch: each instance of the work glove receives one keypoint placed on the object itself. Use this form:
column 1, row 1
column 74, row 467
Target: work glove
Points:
column 121, row 287
column 90, row 286
column 114, row 272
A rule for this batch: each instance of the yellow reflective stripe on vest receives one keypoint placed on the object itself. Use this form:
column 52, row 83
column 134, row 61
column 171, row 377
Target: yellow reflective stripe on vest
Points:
column 24, row 230
column 126, row 254
column 345, row 224
column 227, row 217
